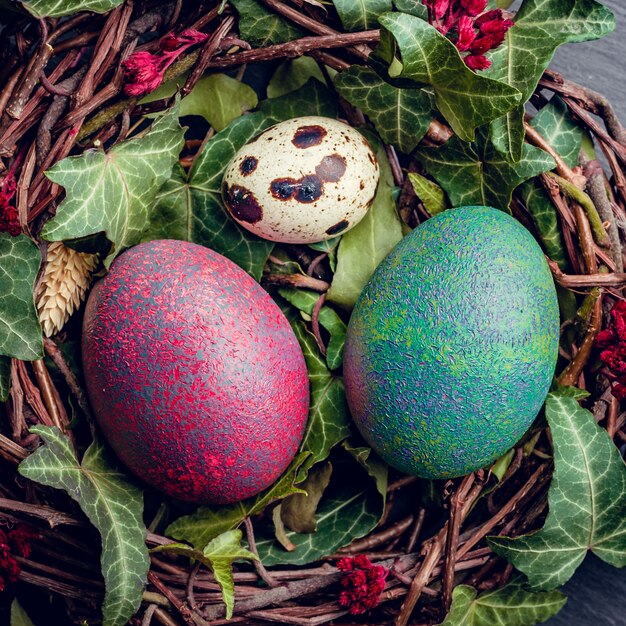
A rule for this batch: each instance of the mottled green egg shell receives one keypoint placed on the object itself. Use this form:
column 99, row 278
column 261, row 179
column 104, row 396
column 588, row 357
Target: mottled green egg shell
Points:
column 452, row 345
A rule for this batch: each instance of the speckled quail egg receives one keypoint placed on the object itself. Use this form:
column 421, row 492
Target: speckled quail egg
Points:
column 303, row 180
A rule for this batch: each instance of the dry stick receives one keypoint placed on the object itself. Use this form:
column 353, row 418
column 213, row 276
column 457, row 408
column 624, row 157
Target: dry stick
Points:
column 258, row 564
column 32, row 395
column 598, row 194
column 11, row 451
column 18, row 422
column 433, row 555
column 452, row 540
column 40, row 511
column 556, row 82
column 315, row 322
column 191, row 601
column 360, row 51
column 147, row 616
column 45, row 386
column 296, row 280
column 53, row 351
column 562, row 168
column 611, row 421
column 189, row 616
column 417, row 529
column 585, row 239
column 377, row 539
column 578, row 196
column 572, row 372
column 571, row 281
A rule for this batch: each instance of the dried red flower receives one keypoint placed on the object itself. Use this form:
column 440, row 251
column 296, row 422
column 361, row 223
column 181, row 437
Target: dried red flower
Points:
column 362, row 584
column 144, row 71
column 9, row 217
column 473, row 30
column 17, row 540
column 612, row 342
column 21, row 538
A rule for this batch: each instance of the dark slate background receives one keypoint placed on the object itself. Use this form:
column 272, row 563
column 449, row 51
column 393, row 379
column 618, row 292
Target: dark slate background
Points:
column 597, row 592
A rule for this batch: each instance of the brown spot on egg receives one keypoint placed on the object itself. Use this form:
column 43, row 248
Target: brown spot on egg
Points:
column 248, row 165
column 338, row 227
column 331, row 168
column 309, row 188
column 307, row 136
column 242, row 203
column 372, row 158
column 283, row 188
column 362, row 185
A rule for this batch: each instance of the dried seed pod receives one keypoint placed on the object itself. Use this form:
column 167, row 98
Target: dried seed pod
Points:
column 67, row 275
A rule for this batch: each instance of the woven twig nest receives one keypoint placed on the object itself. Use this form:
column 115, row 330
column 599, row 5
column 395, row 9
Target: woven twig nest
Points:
column 67, row 88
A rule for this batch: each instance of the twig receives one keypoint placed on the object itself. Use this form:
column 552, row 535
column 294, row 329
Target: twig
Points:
column 377, row 539
column 315, row 322
column 260, row 568
column 452, row 540
column 296, row 280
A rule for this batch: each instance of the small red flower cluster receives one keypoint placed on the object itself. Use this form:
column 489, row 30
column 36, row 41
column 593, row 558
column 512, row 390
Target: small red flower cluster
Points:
column 362, row 584
column 9, row 219
column 144, row 70
column 15, row 541
column 612, row 342
column 473, row 31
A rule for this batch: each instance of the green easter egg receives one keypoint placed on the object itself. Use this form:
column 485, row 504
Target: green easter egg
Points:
column 452, row 346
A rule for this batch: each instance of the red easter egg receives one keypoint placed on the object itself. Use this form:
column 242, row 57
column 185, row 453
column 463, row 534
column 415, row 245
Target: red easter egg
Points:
column 194, row 374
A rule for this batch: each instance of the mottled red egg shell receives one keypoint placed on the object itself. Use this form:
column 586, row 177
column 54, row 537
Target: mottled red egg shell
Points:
column 193, row 372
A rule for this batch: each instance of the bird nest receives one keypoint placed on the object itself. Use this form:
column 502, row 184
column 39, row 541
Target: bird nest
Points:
column 69, row 88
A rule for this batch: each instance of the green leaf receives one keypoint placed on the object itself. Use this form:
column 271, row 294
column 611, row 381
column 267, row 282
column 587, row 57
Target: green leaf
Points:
column 20, row 332
column 465, row 99
column 329, row 418
column 217, row 97
column 363, row 247
column 361, row 14
column 19, row 617
column 587, row 501
column 192, row 209
column 557, row 127
column 5, row 378
column 261, row 27
column 540, row 27
column 401, row 116
column 207, row 522
column 477, row 173
column 350, row 508
column 293, row 74
column 298, row 510
column 371, row 463
column 218, row 555
column 113, row 505
column 499, row 468
column 305, row 301
column 59, row 8
column 114, row 192
column 313, row 98
column 412, row 7
column 432, row 195
column 511, row 605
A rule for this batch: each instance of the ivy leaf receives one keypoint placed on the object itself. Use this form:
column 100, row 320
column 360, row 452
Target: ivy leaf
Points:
column 363, row 247
column 5, row 378
column 293, row 74
column 541, row 26
column 313, row 98
column 511, row 605
column 218, row 555
column 371, row 463
column 261, row 27
column 191, row 209
column 305, row 301
column 401, row 116
column 19, row 617
column 555, row 124
column 477, row 173
column 329, row 418
column 465, row 99
column 412, row 7
column 298, row 510
column 587, row 501
column 20, row 332
column 59, row 8
column 360, row 14
column 218, row 98
column 113, row 505
column 114, row 192
column 350, row 508
column 432, row 195
column 207, row 522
